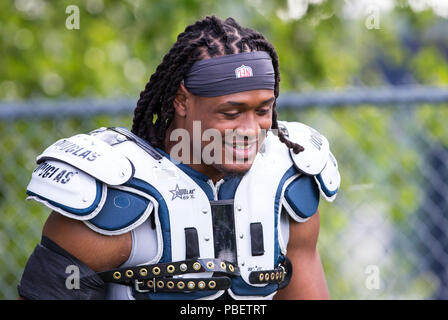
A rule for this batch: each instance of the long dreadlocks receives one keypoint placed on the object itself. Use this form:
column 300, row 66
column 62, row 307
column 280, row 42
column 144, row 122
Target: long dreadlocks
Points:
column 207, row 38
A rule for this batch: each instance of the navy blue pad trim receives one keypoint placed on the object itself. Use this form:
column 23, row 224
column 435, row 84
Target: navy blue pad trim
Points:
column 120, row 210
column 164, row 217
column 241, row 288
column 327, row 192
column 302, row 196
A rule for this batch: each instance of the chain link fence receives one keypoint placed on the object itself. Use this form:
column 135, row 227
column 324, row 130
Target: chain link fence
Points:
column 384, row 237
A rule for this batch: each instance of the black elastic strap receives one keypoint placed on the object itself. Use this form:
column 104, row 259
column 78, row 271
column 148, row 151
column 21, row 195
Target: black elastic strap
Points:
column 191, row 243
column 182, row 284
column 45, row 276
column 168, row 269
column 280, row 275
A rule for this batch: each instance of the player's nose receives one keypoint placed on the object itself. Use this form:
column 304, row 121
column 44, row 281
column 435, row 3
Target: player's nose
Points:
column 248, row 126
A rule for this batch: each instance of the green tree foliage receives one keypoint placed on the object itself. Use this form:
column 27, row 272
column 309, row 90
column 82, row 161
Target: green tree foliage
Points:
column 119, row 43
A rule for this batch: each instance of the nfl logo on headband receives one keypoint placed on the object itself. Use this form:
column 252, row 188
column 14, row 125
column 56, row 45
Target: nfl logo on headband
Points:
column 231, row 73
column 243, row 72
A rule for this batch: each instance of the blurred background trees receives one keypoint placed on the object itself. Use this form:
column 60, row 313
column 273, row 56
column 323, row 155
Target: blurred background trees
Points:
column 321, row 44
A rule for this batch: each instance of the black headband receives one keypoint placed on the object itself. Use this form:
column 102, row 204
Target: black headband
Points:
column 230, row 74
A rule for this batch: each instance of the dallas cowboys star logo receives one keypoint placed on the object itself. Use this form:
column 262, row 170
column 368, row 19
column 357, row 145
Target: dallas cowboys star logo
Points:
column 183, row 194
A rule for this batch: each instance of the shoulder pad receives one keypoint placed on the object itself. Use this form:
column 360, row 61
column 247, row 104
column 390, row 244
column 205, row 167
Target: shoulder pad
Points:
column 93, row 156
column 316, row 159
column 301, row 198
column 313, row 159
column 122, row 211
column 79, row 196
column 329, row 179
column 83, row 177
column 66, row 189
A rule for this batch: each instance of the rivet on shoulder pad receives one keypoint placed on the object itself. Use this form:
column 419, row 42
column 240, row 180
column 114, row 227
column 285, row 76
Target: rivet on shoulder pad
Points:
column 181, row 285
column 156, row 270
column 191, row 284
column 211, row 284
column 170, row 268
column 129, row 273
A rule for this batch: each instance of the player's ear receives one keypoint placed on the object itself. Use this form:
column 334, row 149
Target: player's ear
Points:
column 180, row 103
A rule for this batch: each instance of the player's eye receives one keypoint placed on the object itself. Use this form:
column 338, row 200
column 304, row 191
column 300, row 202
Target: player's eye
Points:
column 230, row 114
column 263, row 111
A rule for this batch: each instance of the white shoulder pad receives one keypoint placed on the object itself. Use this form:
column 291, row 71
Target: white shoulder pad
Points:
column 312, row 160
column 67, row 190
column 329, row 179
column 93, row 156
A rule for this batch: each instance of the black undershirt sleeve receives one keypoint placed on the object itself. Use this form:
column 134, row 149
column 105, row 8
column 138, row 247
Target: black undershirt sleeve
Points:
column 51, row 273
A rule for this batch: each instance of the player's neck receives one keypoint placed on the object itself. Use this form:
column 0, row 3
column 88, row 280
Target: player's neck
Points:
column 210, row 171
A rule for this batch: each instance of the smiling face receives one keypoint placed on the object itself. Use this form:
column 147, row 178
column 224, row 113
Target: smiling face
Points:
column 237, row 122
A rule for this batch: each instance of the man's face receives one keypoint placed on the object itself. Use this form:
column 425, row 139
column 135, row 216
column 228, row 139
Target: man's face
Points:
column 237, row 122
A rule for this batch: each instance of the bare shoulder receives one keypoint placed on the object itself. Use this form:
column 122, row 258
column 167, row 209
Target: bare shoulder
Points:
column 304, row 235
column 97, row 251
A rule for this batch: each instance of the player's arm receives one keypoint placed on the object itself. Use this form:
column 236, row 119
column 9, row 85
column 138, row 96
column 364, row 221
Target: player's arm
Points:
column 308, row 278
column 68, row 245
column 319, row 177
column 89, row 229
column 99, row 252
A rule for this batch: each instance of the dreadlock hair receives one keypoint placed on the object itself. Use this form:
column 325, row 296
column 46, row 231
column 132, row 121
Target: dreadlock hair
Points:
column 207, row 38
